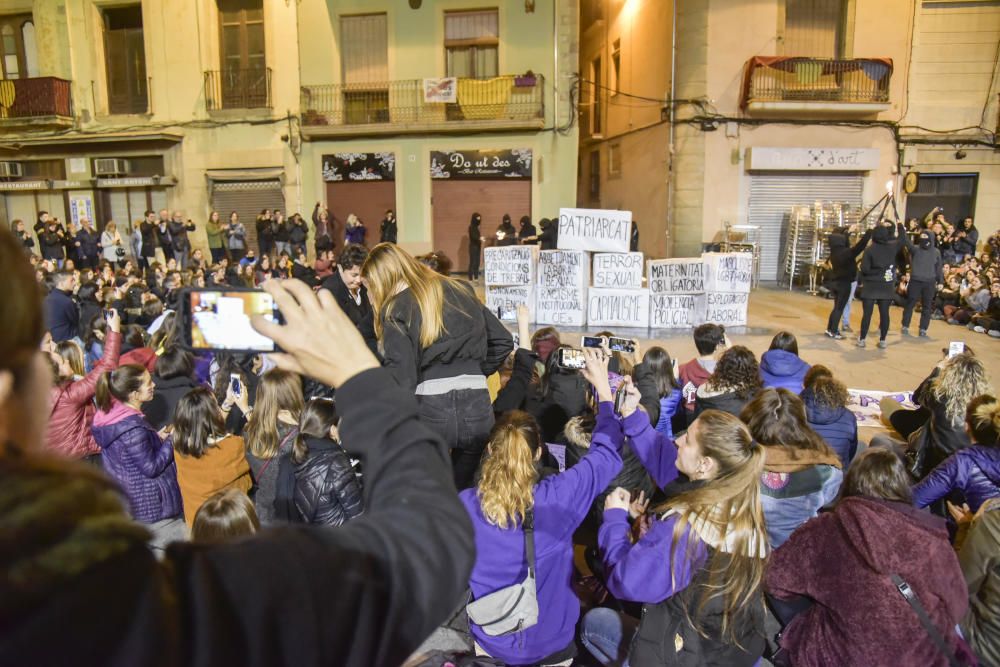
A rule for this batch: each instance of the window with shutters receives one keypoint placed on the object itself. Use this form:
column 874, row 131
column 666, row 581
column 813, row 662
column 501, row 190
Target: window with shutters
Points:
column 17, row 47
column 472, row 43
column 816, row 28
column 125, row 59
column 616, row 66
column 595, row 175
column 596, row 96
column 364, row 57
column 244, row 79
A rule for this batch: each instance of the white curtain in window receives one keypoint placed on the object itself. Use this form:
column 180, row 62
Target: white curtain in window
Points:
column 813, row 28
column 472, row 25
column 364, row 48
column 30, row 51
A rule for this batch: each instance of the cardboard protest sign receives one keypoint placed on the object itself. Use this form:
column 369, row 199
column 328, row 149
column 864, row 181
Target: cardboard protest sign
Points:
column 563, row 268
column 566, row 306
column 618, row 269
column 676, row 276
column 617, row 307
column 727, row 308
column 728, row 272
column 676, row 311
column 595, row 230
column 508, row 298
column 865, row 404
column 510, row 265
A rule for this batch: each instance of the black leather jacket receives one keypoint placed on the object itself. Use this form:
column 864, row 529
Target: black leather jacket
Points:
column 327, row 491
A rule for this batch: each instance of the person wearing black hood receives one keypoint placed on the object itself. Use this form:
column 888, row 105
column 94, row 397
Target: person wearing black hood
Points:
column 964, row 239
column 926, row 274
column 506, row 234
column 549, row 237
column 878, row 278
column 843, row 258
column 475, row 246
column 528, row 234
column 389, row 229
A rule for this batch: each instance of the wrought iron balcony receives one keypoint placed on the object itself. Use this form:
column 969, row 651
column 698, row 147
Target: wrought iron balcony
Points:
column 391, row 107
column 796, row 84
column 40, row 101
column 238, row 89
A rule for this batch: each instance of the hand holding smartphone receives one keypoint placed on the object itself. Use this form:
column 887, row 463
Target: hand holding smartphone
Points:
column 219, row 319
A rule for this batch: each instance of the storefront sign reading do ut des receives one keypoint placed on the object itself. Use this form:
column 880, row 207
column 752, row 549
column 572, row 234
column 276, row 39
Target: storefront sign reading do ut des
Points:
column 340, row 167
column 813, row 159
column 473, row 165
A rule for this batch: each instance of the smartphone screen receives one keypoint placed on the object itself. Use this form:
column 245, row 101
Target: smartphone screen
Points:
column 570, row 358
column 621, row 345
column 955, row 348
column 220, row 320
column 592, row 341
column 234, row 382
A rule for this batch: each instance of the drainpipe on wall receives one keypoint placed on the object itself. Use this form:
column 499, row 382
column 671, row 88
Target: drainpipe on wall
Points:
column 670, row 147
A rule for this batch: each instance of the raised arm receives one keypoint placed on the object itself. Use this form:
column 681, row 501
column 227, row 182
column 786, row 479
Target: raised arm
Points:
column 657, row 452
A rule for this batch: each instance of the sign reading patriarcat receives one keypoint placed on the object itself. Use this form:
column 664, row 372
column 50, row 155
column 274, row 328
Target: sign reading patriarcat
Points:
column 618, row 269
column 676, row 276
column 596, row 230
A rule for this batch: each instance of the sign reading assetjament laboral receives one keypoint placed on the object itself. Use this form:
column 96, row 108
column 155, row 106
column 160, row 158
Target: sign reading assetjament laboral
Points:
column 359, row 167
column 727, row 308
column 594, row 230
column 506, row 299
column 676, row 276
column 561, row 297
column 676, row 311
column 618, row 307
column 475, row 165
column 618, row 269
column 510, row 265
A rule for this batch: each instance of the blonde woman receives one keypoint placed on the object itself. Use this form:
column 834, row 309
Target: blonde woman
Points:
column 271, row 432
column 699, row 568
column 440, row 342
column 111, row 242
column 508, row 495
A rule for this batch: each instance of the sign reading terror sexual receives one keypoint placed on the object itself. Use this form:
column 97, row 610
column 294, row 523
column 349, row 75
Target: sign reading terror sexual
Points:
column 510, row 265
column 618, row 269
column 617, row 307
column 594, row 229
column 728, row 272
column 676, row 276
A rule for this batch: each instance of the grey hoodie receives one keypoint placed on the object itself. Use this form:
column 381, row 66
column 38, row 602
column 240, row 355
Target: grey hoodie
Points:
column 925, row 263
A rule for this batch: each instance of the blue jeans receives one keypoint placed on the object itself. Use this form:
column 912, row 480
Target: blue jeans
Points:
column 847, row 306
column 607, row 635
column 463, row 419
column 282, row 246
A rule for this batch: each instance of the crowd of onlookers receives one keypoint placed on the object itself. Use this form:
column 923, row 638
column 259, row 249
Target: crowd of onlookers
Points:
column 638, row 510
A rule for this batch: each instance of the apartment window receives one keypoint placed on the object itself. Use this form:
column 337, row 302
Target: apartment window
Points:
column 815, row 28
column 18, row 58
column 614, row 160
column 595, row 175
column 244, row 81
column 616, row 66
column 472, row 43
column 364, row 57
column 125, row 59
column 597, row 95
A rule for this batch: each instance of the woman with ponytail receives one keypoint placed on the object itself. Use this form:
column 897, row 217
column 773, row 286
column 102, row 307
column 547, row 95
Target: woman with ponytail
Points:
column 509, row 492
column 699, row 568
column 972, row 472
column 136, row 455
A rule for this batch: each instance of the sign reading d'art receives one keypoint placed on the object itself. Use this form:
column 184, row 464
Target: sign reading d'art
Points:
column 473, row 165
column 359, row 167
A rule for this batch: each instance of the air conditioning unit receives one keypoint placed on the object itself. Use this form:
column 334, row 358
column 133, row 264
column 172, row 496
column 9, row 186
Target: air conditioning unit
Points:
column 11, row 170
column 111, row 167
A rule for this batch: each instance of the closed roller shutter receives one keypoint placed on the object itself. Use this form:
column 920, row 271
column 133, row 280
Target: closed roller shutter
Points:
column 136, row 205
column 118, row 201
column 366, row 199
column 159, row 199
column 456, row 201
column 21, row 206
column 248, row 198
column 773, row 195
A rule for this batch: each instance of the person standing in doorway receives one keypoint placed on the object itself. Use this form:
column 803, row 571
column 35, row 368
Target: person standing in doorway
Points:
column 282, row 233
column 147, row 228
column 322, row 239
column 111, row 244
column 356, row 230
column 475, row 246
column 236, row 238
column 216, row 237
column 389, row 230
column 265, row 233
column 88, row 245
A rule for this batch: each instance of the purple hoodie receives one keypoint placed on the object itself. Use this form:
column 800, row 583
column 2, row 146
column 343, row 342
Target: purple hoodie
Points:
column 143, row 465
column 561, row 503
column 783, row 370
column 974, row 472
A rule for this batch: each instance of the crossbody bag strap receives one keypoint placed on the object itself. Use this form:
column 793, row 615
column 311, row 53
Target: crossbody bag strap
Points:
column 529, row 540
column 291, row 434
column 911, row 597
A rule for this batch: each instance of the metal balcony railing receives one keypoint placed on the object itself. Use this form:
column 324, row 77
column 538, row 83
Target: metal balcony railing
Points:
column 795, row 79
column 35, row 98
column 238, row 89
column 503, row 98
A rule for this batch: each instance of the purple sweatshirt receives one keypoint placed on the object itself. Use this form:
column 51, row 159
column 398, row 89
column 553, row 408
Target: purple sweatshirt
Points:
column 561, row 503
column 656, row 451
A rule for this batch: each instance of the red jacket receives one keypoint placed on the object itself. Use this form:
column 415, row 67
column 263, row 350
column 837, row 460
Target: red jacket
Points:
column 140, row 356
column 72, row 407
column 690, row 376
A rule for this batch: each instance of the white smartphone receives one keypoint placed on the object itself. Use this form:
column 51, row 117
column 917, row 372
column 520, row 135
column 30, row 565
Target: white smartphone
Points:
column 955, row 348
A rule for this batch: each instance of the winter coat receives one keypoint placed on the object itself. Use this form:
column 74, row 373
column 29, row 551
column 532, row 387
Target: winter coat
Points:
column 879, row 270
column 140, row 356
column 560, row 504
column 967, row 244
column 980, row 561
column 89, row 242
column 783, row 370
column 973, row 472
column 179, row 235
column 473, row 341
column 939, row 438
column 298, row 233
column 475, row 234
column 213, row 231
column 110, row 243
column 842, row 560
column 150, row 239
column 265, row 473
column 843, row 257
column 265, row 233
column 62, row 316
column 795, row 485
column 388, row 231
column 51, row 242
column 236, row 237
column 222, row 466
column 360, row 314
column 527, row 231
column 837, row 426
column 548, row 238
column 692, row 375
column 727, row 401
column 355, row 234
column 72, row 407
column 141, row 463
column 327, row 491
column 167, row 393
column 669, row 405
column 925, row 264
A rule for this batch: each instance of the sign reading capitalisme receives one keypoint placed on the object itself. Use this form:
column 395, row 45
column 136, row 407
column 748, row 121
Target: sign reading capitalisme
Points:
column 359, row 167
column 482, row 164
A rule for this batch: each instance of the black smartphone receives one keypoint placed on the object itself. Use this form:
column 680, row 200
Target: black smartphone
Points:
column 621, row 344
column 619, row 399
column 571, row 359
column 592, row 341
column 235, row 383
column 219, row 319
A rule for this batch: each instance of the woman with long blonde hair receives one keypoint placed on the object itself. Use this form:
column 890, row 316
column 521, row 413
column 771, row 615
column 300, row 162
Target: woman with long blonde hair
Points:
column 439, row 341
column 699, row 568
column 270, row 434
column 510, row 495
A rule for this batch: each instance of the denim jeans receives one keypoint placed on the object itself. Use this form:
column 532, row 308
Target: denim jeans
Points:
column 463, row 419
column 847, row 306
column 282, row 246
column 607, row 635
